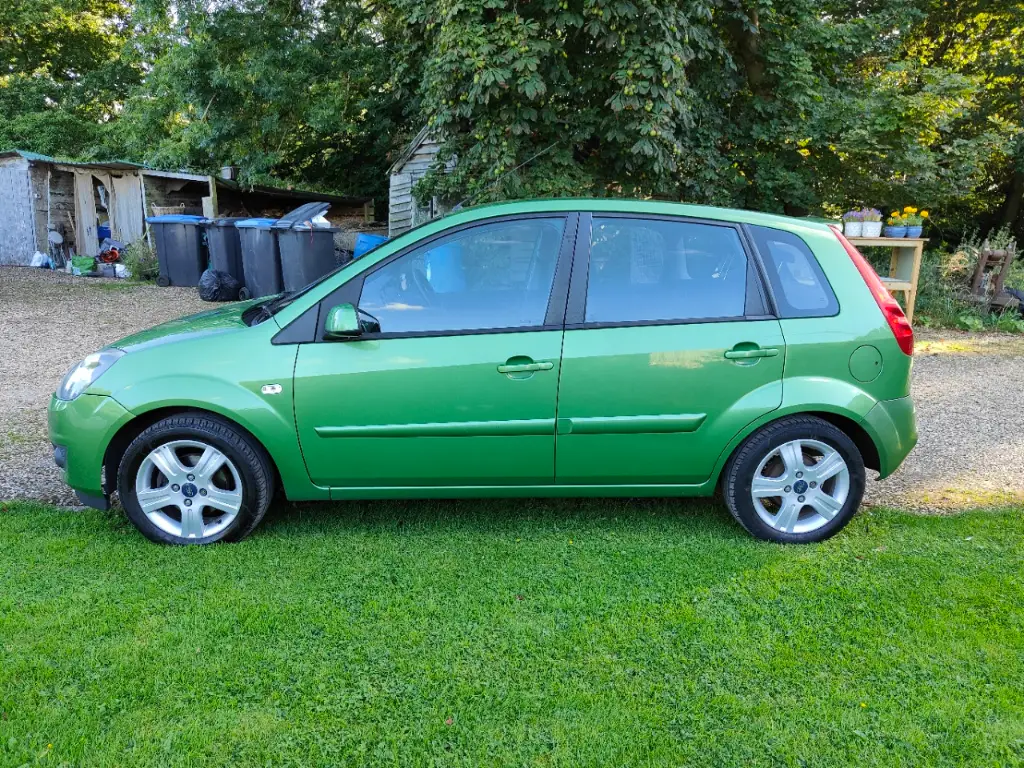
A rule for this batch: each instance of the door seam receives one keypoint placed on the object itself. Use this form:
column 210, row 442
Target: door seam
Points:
column 561, row 352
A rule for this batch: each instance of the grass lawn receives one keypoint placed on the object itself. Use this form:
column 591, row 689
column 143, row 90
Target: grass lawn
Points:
column 554, row 633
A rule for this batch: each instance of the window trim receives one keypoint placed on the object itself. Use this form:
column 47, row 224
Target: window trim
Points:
column 766, row 280
column 351, row 291
column 579, row 284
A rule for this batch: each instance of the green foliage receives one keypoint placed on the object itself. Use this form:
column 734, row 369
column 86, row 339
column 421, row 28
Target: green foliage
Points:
column 288, row 91
column 790, row 107
column 62, row 75
column 141, row 261
column 793, row 106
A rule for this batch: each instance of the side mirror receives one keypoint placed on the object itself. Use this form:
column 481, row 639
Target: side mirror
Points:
column 342, row 323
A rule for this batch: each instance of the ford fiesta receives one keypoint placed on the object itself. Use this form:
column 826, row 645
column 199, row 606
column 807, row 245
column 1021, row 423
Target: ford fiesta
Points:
column 545, row 348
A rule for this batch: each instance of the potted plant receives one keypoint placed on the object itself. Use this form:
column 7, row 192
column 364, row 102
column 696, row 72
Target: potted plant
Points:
column 872, row 218
column 895, row 225
column 853, row 223
column 915, row 220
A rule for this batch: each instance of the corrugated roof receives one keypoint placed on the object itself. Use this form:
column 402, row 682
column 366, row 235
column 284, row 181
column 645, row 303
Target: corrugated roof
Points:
column 123, row 165
column 108, row 165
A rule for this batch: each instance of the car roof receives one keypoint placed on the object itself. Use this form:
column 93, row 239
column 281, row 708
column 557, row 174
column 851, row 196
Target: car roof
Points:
column 624, row 205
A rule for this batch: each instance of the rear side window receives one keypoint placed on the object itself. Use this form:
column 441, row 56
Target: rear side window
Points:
column 800, row 287
column 653, row 270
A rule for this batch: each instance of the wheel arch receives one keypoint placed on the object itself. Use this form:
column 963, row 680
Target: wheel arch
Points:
column 845, row 422
column 118, row 445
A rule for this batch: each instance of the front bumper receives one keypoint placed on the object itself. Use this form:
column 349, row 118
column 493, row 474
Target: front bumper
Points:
column 893, row 428
column 80, row 430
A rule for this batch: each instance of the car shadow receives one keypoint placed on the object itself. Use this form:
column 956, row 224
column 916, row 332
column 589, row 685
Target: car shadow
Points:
column 499, row 516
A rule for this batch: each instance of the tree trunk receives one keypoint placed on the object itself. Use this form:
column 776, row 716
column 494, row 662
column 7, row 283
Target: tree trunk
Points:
column 1014, row 201
column 747, row 43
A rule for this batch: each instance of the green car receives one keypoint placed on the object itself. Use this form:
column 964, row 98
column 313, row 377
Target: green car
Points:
column 542, row 348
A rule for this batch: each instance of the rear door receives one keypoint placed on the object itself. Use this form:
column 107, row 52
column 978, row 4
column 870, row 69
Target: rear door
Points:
column 459, row 386
column 669, row 350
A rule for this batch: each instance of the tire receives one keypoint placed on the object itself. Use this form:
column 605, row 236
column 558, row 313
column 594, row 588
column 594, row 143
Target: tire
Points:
column 163, row 281
column 809, row 507
column 217, row 481
column 244, row 294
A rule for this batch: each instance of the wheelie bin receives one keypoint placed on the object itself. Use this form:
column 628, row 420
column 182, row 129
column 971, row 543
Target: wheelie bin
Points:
column 261, row 258
column 307, row 253
column 179, row 249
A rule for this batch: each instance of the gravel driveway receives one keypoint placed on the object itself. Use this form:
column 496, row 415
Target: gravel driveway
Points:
column 969, row 391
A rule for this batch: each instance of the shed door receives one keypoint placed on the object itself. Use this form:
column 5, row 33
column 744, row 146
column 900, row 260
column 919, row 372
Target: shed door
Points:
column 19, row 242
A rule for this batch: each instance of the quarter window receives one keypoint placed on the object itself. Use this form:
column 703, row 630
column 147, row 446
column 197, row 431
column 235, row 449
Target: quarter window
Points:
column 488, row 277
column 800, row 287
column 650, row 270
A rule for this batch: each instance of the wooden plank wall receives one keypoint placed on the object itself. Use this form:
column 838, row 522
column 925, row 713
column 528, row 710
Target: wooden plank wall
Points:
column 62, row 204
column 163, row 191
column 403, row 213
column 39, row 176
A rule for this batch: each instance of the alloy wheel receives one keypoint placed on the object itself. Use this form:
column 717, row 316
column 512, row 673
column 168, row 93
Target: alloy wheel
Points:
column 189, row 489
column 800, row 486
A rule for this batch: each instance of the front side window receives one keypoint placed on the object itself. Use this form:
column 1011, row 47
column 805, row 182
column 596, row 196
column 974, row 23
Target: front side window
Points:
column 651, row 270
column 489, row 277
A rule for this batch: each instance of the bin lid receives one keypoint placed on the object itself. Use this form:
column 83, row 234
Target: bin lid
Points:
column 176, row 218
column 255, row 223
column 227, row 221
column 301, row 215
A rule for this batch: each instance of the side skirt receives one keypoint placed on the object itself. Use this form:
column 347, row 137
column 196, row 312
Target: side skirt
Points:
column 518, row 491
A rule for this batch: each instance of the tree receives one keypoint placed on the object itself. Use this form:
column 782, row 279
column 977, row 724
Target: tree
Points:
column 289, row 91
column 63, row 78
column 790, row 106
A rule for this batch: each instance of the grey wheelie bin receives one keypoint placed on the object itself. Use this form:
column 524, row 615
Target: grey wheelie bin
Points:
column 179, row 249
column 307, row 253
column 261, row 258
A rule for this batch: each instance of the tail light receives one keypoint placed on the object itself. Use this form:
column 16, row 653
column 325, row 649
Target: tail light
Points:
column 894, row 316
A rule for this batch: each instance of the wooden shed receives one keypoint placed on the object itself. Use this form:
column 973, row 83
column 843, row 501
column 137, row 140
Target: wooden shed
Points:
column 40, row 194
column 404, row 212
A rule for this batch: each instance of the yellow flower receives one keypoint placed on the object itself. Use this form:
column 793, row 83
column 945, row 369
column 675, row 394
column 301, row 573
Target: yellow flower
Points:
column 895, row 213
column 908, row 209
column 924, row 214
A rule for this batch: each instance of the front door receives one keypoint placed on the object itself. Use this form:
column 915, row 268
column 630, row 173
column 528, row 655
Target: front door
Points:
column 667, row 353
column 459, row 386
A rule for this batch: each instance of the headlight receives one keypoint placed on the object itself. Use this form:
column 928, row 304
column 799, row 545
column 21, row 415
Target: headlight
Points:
column 86, row 372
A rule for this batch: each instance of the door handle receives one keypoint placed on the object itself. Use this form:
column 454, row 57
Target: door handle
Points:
column 747, row 354
column 525, row 367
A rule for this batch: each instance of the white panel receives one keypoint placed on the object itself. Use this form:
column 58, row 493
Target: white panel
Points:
column 126, row 210
column 18, row 241
column 85, row 215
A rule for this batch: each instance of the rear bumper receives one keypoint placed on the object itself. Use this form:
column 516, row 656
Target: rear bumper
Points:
column 893, row 428
column 81, row 430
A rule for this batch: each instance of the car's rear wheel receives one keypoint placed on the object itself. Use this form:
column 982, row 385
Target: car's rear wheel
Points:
column 195, row 479
column 797, row 480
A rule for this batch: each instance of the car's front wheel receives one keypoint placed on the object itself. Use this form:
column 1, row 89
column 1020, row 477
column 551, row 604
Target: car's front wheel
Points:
column 797, row 480
column 195, row 479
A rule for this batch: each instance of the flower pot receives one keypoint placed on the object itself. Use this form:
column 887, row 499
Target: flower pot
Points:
column 891, row 231
column 914, row 231
column 872, row 229
column 853, row 228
